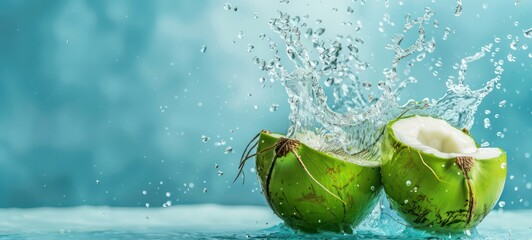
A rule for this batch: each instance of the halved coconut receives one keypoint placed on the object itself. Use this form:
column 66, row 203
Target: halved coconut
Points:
column 435, row 175
column 314, row 191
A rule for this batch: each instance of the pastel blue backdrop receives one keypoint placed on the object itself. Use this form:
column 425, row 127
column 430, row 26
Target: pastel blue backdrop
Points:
column 105, row 102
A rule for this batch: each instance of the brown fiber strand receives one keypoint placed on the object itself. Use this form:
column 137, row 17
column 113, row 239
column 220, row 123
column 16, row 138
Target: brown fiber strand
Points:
column 424, row 163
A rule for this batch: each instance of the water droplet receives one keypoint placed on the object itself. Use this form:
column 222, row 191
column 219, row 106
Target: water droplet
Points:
column 529, row 185
column 204, row 190
column 516, row 188
column 528, row 33
column 319, row 31
column 163, row 108
column 274, row 107
column 216, row 165
column 372, row 188
column 350, row 10
column 367, row 85
column 487, row 112
column 497, row 40
column 511, row 177
column 227, row 6
column 487, row 123
column 329, row 81
column 97, row 181
column 503, row 165
column 228, row 150
column 167, row 204
column 446, row 32
column 502, row 103
column 204, row 138
column 147, row 205
column 250, row 47
column 420, row 57
column 220, row 173
column 527, row 155
column 501, row 204
column 510, row 57
column 144, row 192
column 220, row 143
column 381, row 85
column 406, row 201
column 240, row 34
column 458, row 10
column 203, row 49
column 408, row 183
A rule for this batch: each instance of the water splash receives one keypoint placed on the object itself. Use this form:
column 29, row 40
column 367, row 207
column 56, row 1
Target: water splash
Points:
column 353, row 122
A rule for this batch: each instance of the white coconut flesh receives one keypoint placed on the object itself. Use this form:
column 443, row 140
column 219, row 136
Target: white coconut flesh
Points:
column 437, row 137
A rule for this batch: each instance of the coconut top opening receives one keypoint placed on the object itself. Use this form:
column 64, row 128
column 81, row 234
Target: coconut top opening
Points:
column 436, row 136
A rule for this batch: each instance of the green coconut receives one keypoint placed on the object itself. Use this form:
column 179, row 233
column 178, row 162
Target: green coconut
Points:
column 314, row 191
column 435, row 175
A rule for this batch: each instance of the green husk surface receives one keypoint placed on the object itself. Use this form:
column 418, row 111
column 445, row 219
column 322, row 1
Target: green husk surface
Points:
column 442, row 195
column 314, row 191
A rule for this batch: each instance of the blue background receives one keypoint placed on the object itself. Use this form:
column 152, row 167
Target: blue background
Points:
column 102, row 100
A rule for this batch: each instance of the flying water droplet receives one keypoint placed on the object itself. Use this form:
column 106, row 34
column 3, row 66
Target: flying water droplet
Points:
column 228, row 150
column 487, row 123
column 220, row 173
column 446, row 33
column 204, row 138
column 203, row 49
column 250, row 47
column 502, row 103
column 350, row 10
column 528, row 33
column 367, row 85
column 227, row 6
column 274, row 107
column 458, row 10
column 408, row 183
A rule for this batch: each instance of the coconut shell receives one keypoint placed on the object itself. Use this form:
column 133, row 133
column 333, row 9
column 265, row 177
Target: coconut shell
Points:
column 435, row 194
column 336, row 196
